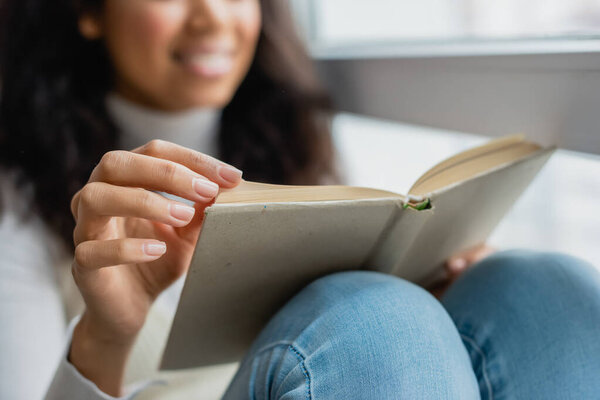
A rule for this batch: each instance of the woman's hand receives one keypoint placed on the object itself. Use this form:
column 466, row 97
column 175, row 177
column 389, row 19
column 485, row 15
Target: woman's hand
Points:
column 132, row 243
column 458, row 263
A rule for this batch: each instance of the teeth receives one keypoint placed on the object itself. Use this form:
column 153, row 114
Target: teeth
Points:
column 209, row 61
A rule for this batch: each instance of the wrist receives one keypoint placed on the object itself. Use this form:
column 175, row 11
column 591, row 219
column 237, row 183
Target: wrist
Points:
column 99, row 357
column 96, row 329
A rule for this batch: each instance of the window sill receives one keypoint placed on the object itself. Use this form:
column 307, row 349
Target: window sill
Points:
column 457, row 48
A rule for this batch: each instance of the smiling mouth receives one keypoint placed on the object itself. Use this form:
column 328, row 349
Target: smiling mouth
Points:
column 206, row 64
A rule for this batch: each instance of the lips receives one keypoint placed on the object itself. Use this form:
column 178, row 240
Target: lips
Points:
column 206, row 62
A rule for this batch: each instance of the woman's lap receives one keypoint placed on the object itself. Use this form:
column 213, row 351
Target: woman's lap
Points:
column 357, row 335
column 373, row 336
column 531, row 323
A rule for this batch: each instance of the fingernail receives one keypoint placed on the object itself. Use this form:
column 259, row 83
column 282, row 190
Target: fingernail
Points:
column 229, row 173
column 182, row 212
column 457, row 264
column 205, row 188
column 155, row 248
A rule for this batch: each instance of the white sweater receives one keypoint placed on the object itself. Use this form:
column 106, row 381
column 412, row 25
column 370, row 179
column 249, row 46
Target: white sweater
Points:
column 38, row 296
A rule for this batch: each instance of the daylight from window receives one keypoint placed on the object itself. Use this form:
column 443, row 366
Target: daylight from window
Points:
column 351, row 21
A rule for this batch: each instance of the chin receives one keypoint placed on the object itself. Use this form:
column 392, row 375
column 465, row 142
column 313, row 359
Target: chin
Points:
column 206, row 98
column 196, row 100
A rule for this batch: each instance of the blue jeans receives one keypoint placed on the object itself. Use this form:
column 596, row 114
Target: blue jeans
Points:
column 519, row 325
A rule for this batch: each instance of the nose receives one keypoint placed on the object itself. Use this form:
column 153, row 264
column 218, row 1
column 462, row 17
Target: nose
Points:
column 208, row 14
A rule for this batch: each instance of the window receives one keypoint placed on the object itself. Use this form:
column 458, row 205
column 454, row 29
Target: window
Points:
column 558, row 212
column 478, row 66
column 443, row 69
column 338, row 22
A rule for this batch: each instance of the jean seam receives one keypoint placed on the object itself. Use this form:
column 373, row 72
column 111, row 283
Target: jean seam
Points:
column 299, row 356
column 486, row 378
column 271, row 345
column 302, row 360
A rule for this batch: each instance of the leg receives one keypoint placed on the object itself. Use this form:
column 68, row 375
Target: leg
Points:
column 531, row 323
column 357, row 335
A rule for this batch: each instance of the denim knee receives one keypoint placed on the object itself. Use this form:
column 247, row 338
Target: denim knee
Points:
column 377, row 294
column 352, row 296
column 514, row 276
column 381, row 335
column 528, row 317
column 529, row 292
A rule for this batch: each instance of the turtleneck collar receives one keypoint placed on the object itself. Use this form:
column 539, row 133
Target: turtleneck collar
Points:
column 195, row 128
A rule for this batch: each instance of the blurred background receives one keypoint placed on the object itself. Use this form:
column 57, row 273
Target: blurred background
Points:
column 336, row 21
column 418, row 81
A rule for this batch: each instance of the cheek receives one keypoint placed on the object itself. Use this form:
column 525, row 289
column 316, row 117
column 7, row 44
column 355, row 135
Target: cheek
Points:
column 247, row 27
column 155, row 27
column 249, row 24
column 139, row 32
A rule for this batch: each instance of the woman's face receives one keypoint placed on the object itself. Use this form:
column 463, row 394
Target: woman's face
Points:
column 179, row 54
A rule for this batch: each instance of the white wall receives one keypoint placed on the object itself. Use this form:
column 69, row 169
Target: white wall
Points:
column 552, row 98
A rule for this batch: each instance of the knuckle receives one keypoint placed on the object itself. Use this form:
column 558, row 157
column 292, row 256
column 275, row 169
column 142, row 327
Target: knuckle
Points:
column 109, row 157
column 169, row 170
column 120, row 250
column 145, row 201
column 204, row 161
column 154, row 146
column 198, row 158
column 75, row 273
column 76, row 235
column 112, row 162
column 89, row 194
column 82, row 255
column 74, row 203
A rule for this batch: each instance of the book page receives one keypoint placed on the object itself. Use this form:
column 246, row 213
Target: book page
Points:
column 472, row 162
column 254, row 192
column 465, row 214
column 455, row 169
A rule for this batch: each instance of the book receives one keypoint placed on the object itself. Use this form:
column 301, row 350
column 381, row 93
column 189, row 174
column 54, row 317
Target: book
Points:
column 260, row 244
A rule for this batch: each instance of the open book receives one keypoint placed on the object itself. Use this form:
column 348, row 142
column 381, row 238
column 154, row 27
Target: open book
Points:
column 260, row 244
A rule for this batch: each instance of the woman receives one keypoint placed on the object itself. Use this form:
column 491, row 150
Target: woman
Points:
column 82, row 78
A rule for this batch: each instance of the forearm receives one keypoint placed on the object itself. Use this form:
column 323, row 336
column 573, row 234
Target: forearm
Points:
column 100, row 360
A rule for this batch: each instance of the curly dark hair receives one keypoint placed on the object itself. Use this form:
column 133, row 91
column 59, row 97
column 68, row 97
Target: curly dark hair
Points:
column 54, row 125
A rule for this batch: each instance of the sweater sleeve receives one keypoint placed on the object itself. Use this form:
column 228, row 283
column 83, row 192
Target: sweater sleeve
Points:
column 68, row 383
column 34, row 338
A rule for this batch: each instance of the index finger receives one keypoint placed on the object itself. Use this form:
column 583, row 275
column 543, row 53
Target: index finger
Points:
column 217, row 171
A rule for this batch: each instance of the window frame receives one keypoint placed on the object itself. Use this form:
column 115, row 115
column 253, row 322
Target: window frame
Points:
column 543, row 87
